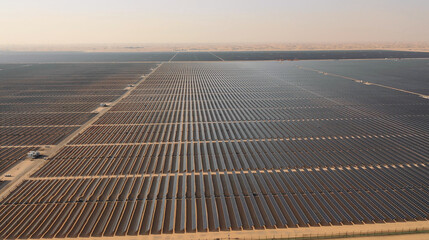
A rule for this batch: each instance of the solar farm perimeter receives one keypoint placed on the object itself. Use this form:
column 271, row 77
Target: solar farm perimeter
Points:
column 188, row 148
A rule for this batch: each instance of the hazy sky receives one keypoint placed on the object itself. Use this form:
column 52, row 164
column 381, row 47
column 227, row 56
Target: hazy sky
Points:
column 215, row 21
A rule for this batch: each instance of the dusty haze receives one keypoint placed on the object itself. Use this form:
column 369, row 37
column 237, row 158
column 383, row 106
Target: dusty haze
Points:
column 53, row 22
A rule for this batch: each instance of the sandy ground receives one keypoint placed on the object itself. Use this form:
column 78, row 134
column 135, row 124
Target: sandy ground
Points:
column 307, row 232
column 421, row 46
column 397, row 237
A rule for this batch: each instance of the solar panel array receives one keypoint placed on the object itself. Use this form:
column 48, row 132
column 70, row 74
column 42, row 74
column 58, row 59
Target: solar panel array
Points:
column 197, row 55
column 201, row 147
column 83, row 57
column 41, row 104
column 406, row 74
column 306, row 55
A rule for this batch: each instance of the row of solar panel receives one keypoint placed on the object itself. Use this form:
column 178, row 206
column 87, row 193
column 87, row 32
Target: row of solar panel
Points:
column 176, row 132
column 34, row 119
column 189, row 203
column 213, row 156
column 165, row 116
column 24, row 136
